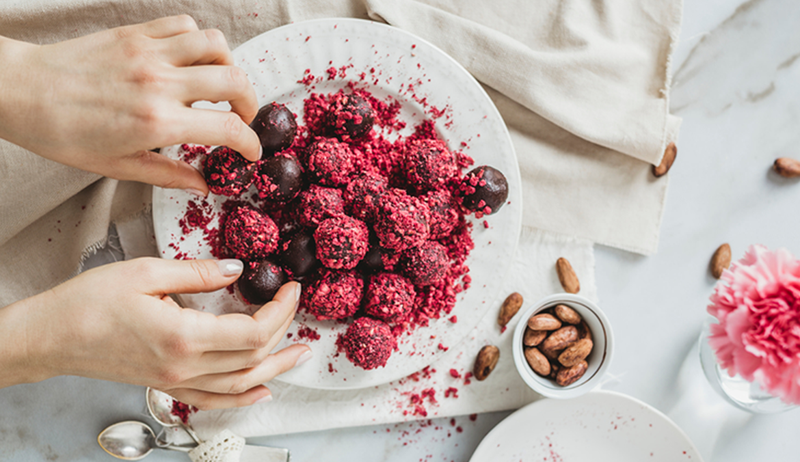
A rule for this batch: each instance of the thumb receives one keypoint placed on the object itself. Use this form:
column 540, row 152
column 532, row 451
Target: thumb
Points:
column 153, row 168
column 187, row 276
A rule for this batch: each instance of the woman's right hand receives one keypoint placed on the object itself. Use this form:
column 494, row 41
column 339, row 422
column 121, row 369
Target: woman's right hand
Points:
column 117, row 323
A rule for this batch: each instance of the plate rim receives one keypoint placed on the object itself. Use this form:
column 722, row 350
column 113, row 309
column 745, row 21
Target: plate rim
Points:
column 527, row 408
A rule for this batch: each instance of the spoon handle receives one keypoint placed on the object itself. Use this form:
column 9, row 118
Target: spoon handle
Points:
column 161, row 444
column 191, row 433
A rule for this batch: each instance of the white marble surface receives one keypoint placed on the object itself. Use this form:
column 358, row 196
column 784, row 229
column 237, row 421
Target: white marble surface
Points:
column 737, row 88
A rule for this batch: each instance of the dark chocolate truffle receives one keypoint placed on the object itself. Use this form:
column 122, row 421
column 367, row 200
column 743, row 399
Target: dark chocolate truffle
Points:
column 341, row 242
column 401, row 220
column 227, row 173
column 300, row 254
column 316, row 204
column 389, row 297
column 484, row 190
column 333, row 295
column 362, row 193
column 350, row 116
column 250, row 234
column 426, row 264
column 278, row 178
column 368, row 343
column 331, row 162
column 429, row 164
column 275, row 126
column 260, row 281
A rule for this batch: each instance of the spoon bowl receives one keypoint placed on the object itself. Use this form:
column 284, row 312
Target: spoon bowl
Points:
column 129, row 440
column 159, row 405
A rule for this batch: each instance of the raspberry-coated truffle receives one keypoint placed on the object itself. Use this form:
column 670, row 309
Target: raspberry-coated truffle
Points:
column 429, row 164
column 362, row 193
column 333, row 295
column 484, row 190
column 275, row 126
column 260, row 281
column 299, row 254
column 444, row 213
column 426, row 264
column 341, row 242
column 401, row 220
column 278, row 178
column 331, row 162
column 316, row 204
column 250, row 234
column 368, row 343
column 350, row 116
column 227, row 173
column 389, row 297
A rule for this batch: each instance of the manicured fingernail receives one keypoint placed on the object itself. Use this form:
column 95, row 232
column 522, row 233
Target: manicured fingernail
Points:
column 260, row 152
column 195, row 192
column 297, row 292
column 230, row 267
column 264, row 399
column 304, row 358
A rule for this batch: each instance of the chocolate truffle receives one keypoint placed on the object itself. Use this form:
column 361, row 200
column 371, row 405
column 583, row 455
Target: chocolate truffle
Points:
column 333, row 295
column 444, row 213
column 401, row 220
column 350, row 116
column 429, row 164
column 368, row 343
column 426, row 264
column 389, row 297
column 275, row 126
column 316, row 204
column 278, row 178
column 299, row 254
column 341, row 242
column 227, row 173
column 249, row 234
column 362, row 193
column 260, row 281
column 330, row 162
column 484, row 190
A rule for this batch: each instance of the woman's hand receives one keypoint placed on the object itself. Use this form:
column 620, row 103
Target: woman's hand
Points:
column 102, row 102
column 117, row 323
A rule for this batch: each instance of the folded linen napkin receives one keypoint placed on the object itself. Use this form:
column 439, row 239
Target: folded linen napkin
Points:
column 583, row 87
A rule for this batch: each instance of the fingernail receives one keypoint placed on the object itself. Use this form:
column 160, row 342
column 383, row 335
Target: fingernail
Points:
column 260, row 152
column 304, row 358
column 264, row 399
column 298, row 291
column 230, row 267
column 195, row 192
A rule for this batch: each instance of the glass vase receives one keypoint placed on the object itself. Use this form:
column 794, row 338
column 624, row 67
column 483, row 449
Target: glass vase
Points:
column 744, row 394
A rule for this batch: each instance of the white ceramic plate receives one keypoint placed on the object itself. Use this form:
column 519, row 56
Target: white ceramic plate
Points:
column 391, row 61
column 601, row 426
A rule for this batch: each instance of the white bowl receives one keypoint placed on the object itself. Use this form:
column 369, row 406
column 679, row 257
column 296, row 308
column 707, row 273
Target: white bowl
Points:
column 599, row 360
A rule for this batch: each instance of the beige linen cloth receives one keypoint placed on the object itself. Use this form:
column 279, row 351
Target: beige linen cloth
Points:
column 583, row 86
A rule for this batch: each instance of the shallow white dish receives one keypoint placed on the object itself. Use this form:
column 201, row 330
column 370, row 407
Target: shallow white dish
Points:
column 601, row 426
column 390, row 60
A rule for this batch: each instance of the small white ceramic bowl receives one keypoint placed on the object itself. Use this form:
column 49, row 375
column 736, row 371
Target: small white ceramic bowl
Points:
column 599, row 360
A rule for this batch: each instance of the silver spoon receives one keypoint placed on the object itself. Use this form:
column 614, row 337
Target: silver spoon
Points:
column 159, row 405
column 132, row 440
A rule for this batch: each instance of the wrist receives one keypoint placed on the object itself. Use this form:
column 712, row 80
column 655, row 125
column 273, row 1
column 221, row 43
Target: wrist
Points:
column 15, row 93
column 23, row 353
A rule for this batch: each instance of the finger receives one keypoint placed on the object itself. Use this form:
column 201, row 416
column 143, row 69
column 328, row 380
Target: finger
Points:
column 242, row 380
column 205, row 401
column 160, row 276
column 220, row 83
column 197, row 47
column 229, row 361
column 153, row 168
column 218, row 128
column 167, row 27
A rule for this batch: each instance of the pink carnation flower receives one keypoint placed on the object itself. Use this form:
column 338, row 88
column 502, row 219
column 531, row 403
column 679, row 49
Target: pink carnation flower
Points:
column 757, row 303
